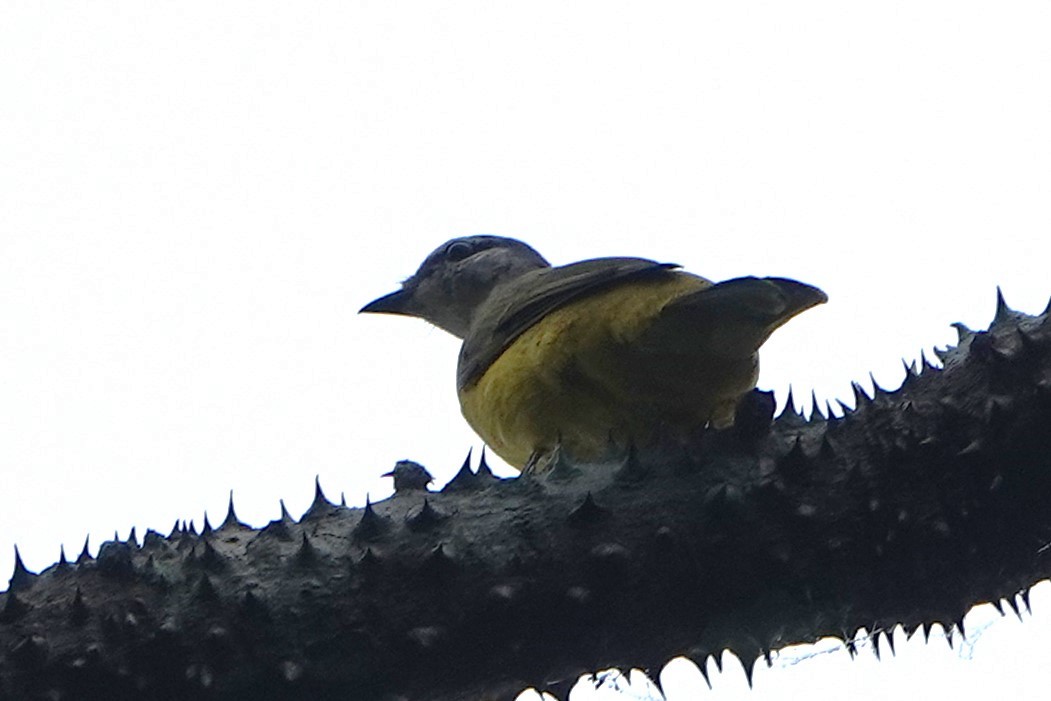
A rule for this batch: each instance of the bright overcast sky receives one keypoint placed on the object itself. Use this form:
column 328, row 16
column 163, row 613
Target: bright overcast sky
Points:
column 196, row 198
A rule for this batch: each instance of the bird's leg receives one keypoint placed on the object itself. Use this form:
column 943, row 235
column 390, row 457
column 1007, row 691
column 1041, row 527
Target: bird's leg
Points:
column 531, row 466
column 554, row 463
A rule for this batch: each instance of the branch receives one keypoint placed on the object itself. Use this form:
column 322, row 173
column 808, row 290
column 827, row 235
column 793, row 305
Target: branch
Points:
column 910, row 510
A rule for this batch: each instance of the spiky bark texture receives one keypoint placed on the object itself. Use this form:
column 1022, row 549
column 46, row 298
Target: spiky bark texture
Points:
column 915, row 507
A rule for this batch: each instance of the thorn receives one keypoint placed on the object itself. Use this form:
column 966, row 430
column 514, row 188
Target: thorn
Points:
column 278, row 528
column 175, row 530
column 321, row 506
column 22, row 578
column 149, row 570
column 996, row 412
column 749, row 670
column 654, row 675
column 718, row 661
column 343, row 500
column 307, row 554
column 703, row 666
column 231, row 520
column 464, row 480
column 926, row 632
column 890, row 642
column 844, row 408
column 1025, row 600
column 1047, row 309
column 999, row 606
column 859, row 394
column 587, row 513
column 85, row 554
column 189, row 530
column 438, row 553
column 793, row 463
column 369, row 562
column 789, row 416
column 483, row 467
column 631, row 469
column 826, row 452
column 1014, row 606
column 962, row 332
column 1002, row 310
column 876, row 389
column 815, row 410
column 424, row 518
column 925, row 361
column 438, row 565
column 210, row 558
column 62, row 562
column 371, row 523
column 285, row 516
column 206, row 529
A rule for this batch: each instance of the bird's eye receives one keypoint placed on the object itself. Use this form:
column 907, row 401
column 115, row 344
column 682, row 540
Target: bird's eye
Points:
column 458, row 250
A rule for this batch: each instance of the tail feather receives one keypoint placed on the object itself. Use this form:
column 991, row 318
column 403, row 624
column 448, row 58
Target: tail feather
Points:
column 733, row 318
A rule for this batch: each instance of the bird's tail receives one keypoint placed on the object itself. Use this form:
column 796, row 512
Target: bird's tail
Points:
column 733, row 318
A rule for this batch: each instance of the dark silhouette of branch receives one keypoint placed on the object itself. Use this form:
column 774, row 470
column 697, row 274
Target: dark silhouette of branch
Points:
column 909, row 510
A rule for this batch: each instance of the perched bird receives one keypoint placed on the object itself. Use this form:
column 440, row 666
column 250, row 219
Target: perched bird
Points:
column 609, row 348
column 409, row 476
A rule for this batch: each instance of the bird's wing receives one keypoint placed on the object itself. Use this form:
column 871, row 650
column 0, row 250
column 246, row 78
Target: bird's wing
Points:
column 515, row 307
column 731, row 318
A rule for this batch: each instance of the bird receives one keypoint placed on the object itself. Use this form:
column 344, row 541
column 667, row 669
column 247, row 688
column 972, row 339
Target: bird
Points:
column 409, row 476
column 573, row 357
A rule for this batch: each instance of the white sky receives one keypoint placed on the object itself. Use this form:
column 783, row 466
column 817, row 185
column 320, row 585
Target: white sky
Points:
column 196, row 198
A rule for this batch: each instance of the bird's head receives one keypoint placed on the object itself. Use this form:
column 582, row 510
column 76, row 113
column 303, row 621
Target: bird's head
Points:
column 456, row 278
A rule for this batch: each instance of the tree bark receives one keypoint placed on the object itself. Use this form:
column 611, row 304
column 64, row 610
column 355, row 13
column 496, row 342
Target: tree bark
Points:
column 909, row 510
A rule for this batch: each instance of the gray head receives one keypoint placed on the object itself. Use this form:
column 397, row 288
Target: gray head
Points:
column 456, row 278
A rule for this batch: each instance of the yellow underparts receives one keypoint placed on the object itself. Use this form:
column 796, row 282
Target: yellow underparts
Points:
column 580, row 377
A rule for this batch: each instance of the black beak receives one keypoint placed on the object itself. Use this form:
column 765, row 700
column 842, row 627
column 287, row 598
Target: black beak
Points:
column 399, row 302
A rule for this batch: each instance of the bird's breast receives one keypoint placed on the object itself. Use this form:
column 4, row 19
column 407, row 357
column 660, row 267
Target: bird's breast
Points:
column 581, row 376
